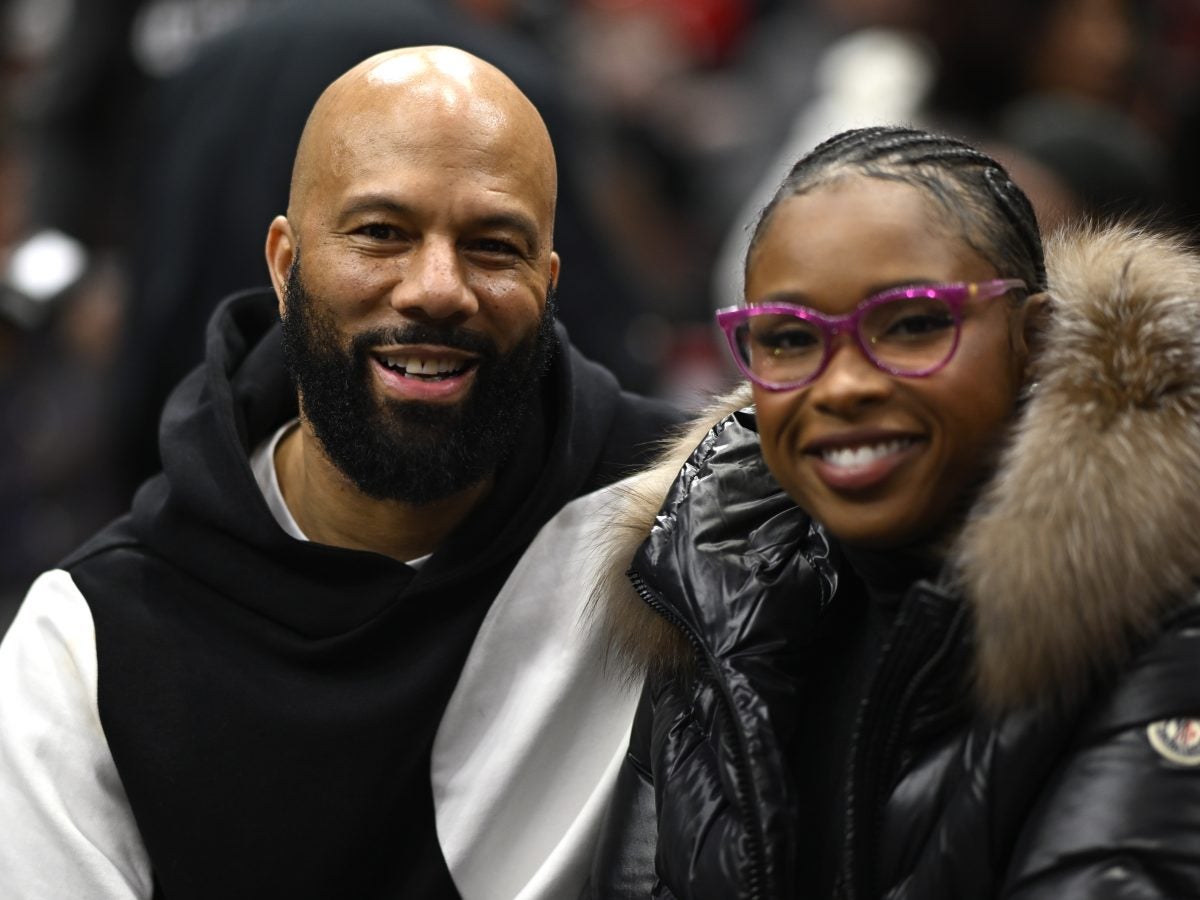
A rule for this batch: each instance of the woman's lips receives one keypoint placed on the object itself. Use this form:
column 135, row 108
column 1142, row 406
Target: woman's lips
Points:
column 862, row 465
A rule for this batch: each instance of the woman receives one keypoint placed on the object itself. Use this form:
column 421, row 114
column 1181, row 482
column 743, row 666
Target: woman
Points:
column 922, row 622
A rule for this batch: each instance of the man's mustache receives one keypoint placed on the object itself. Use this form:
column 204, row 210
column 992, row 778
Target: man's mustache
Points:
column 453, row 337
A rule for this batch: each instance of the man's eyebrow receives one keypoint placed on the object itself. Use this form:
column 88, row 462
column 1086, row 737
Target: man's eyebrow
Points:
column 373, row 203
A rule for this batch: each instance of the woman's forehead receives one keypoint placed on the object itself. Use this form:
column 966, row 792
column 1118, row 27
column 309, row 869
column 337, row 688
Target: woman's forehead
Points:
column 852, row 234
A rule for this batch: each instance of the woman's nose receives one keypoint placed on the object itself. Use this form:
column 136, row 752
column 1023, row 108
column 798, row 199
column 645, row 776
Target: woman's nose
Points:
column 849, row 380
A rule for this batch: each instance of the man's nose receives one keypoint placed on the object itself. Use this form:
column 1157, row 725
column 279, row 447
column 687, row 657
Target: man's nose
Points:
column 433, row 285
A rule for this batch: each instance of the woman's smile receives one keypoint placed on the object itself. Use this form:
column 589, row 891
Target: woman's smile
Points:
column 862, row 463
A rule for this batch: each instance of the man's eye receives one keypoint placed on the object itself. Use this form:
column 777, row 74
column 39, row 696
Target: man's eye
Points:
column 495, row 247
column 377, row 231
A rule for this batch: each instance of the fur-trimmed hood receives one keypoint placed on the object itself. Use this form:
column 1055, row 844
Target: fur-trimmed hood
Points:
column 1087, row 533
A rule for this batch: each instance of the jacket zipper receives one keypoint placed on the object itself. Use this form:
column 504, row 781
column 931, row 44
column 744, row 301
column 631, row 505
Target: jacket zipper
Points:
column 899, row 692
column 755, row 838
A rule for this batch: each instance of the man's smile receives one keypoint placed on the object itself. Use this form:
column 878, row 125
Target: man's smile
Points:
column 431, row 368
column 428, row 374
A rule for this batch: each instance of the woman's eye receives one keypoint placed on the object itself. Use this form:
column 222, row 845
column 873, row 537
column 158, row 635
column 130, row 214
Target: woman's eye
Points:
column 920, row 324
column 787, row 340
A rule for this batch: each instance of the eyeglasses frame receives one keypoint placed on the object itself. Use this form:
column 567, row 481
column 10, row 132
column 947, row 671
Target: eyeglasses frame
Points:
column 731, row 317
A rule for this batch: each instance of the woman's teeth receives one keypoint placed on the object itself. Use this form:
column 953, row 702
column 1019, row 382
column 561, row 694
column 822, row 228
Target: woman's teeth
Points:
column 857, row 457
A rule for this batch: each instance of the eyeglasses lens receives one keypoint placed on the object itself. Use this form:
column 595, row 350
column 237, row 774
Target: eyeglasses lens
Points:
column 780, row 348
column 909, row 335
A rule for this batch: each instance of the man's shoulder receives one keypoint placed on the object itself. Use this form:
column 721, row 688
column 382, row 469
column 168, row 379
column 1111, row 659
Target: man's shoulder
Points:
column 114, row 563
column 649, row 426
column 639, row 429
column 651, row 417
column 112, row 538
column 629, row 427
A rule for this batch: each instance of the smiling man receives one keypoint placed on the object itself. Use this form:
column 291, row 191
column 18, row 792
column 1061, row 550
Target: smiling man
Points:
column 415, row 276
column 335, row 648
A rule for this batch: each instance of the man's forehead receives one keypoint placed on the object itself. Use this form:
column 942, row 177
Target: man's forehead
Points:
column 396, row 146
column 423, row 106
column 427, row 116
column 444, row 79
column 434, row 96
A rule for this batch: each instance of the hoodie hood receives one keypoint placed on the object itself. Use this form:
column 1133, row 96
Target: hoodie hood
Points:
column 206, row 515
column 1085, row 535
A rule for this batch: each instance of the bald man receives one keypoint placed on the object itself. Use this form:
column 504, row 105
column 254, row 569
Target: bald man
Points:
column 335, row 649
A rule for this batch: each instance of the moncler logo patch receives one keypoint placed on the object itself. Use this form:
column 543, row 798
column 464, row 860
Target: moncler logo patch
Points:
column 1177, row 740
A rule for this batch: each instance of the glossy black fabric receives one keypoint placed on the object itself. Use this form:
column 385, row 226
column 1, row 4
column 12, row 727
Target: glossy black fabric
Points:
column 941, row 801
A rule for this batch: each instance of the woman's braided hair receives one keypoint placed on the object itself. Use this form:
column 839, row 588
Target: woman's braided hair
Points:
column 995, row 216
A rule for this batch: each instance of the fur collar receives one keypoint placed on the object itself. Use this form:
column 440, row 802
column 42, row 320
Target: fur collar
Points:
column 1087, row 534
column 640, row 640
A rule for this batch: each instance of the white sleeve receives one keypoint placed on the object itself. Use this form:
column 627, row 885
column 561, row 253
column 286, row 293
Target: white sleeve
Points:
column 66, row 830
column 528, row 749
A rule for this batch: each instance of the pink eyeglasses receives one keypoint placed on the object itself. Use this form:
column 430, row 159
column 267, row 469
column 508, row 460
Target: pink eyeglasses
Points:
column 911, row 332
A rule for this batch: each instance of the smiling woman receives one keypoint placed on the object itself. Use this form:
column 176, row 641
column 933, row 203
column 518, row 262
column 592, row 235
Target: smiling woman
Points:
column 909, row 628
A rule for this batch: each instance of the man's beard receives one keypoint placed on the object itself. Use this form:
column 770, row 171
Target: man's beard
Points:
column 410, row 451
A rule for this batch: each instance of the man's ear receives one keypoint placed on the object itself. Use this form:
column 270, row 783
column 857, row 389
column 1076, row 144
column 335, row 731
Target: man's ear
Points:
column 281, row 253
column 554, row 265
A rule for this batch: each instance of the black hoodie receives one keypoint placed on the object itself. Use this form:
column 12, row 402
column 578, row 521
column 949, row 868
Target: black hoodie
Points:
column 271, row 703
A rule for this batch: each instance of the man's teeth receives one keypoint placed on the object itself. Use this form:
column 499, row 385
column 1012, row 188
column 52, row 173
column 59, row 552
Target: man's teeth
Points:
column 857, row 457
column 425, row 367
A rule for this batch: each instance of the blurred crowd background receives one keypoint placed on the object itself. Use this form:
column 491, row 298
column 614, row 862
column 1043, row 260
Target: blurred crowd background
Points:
column 146, row 144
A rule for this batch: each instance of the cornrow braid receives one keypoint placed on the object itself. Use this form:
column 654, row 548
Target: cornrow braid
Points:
column 1016, row 206
column 996, row 217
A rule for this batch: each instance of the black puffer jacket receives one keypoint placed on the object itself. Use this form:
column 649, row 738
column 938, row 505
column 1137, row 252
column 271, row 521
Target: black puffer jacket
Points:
column 1032, row 726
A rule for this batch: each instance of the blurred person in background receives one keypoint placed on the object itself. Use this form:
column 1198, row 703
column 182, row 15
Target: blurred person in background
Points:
column 80, row 73
column 1080, row 110
column 75, row 75
column 1062, row 92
